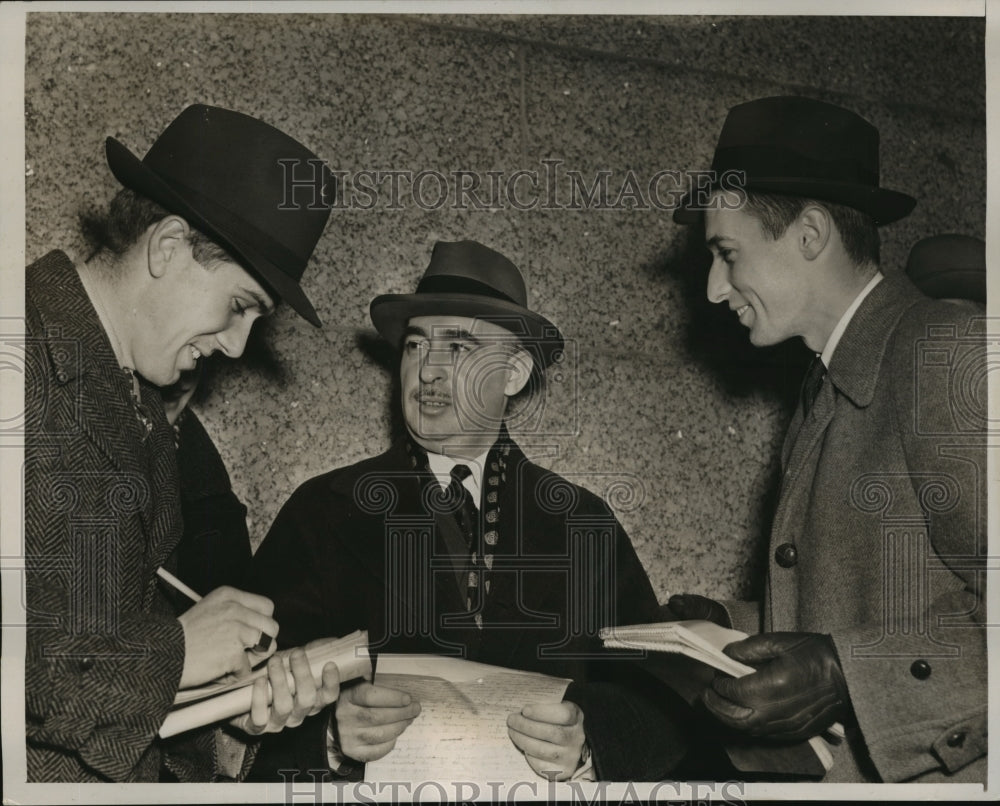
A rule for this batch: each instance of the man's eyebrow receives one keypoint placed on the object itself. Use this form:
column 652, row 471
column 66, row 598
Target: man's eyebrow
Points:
column 266, row 309
column 442, row 332
column 456, row 333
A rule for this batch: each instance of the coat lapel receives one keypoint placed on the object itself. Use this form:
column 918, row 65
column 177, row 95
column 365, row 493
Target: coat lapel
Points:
column 850, row 381
column 80, row 354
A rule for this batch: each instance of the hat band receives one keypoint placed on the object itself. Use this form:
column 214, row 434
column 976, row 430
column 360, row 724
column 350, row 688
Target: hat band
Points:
column 772, row 162
column 280, row 256
column 452, row 284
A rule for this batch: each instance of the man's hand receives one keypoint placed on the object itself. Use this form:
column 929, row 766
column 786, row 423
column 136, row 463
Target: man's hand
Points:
column 551, row 737
column 293, row 698
column 686, row 606
column 798, row 689
column 370, row 718
column 218, row 630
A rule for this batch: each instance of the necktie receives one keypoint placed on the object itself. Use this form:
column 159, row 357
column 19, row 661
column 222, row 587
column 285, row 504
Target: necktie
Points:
column 467, row 518
column 466, row 515
column 812, row 383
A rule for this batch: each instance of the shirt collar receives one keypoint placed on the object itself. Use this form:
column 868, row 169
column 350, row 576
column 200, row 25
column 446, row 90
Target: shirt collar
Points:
column 441, row 466
column 845, row 320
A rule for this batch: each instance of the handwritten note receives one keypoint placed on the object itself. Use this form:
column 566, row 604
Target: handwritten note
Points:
column 461, row 733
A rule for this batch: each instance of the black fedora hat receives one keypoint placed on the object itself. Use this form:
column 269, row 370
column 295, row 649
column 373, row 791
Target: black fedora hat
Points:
column 465, row 278
column 803, row 147
column 235, row 178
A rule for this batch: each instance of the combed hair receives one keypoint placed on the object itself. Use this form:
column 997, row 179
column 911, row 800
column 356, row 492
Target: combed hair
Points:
column 857, row 230
column 115, row 231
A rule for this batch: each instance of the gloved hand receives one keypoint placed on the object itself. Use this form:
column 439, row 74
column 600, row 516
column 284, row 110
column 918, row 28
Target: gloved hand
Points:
column 685, row 606
column 798, row 689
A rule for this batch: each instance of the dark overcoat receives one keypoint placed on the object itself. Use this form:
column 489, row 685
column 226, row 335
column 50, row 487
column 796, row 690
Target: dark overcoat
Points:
column 359, row 548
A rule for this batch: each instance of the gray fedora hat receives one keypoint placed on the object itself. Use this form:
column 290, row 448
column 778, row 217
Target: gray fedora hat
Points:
column 465, row 278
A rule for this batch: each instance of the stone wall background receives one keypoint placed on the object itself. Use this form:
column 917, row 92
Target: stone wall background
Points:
column 661, row 404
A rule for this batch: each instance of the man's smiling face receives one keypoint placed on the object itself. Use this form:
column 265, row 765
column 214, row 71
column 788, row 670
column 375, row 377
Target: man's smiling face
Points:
column 760, row 278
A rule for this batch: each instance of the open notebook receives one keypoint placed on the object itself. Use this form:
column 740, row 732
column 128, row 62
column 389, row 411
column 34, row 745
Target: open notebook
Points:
column 703, row 642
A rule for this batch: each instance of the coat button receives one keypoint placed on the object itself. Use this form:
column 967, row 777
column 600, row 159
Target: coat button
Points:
column 786, row 555
column 87, row 664
column 920, row 669
column 61, row 376
column 957, row 739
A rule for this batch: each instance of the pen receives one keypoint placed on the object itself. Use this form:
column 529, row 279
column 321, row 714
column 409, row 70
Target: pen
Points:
column 262, row 644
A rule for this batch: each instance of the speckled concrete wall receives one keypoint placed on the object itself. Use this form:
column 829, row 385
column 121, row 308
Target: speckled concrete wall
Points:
column 660, row 390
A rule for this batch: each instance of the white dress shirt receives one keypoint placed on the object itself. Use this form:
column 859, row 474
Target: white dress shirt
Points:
column 441, row 466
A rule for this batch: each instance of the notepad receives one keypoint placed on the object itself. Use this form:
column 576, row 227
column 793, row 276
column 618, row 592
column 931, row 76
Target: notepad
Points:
column 703, row 641
column 230, row 696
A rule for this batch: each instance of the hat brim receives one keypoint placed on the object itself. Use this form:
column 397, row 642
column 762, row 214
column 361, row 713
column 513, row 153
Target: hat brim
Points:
column 391, row 312
column 213, row 220
column 883, row 205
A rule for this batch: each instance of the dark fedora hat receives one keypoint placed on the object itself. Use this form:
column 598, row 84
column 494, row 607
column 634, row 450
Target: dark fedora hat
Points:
column 949, row 266
column 465, row 278
column 235, row 178
column 803, row 147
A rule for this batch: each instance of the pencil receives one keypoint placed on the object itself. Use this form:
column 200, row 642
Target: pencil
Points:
column 263, row 642
column 173, row 581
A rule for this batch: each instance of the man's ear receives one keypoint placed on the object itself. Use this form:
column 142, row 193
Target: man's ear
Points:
column 167, row 239
column 814, row 229
column 519, row 367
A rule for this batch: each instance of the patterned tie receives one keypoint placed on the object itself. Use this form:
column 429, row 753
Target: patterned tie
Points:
column 812, row 383
column 467, row 518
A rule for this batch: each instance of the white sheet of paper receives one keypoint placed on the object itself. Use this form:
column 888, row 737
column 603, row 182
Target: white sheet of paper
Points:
column 461, row 733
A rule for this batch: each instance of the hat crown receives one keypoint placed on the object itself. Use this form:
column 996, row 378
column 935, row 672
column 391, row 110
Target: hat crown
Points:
column 251, row 188
column 471, row 268
column 796, row 146
column 258, row 172
column 465, row 278
column 788, row 136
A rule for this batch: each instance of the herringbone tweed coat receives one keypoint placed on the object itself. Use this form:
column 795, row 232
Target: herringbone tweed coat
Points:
column 883, row 497
column 104, row 649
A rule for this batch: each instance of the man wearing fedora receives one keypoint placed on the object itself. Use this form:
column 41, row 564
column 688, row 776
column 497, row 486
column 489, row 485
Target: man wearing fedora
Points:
column 453, row 542
column 196, row 246
column 873, row 611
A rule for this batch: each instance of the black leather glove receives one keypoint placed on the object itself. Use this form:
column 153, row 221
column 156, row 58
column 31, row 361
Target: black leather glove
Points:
column 685, row 606
column 798, row 689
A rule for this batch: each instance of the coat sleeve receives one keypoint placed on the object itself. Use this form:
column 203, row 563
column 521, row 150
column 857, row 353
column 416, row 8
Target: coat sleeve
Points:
column 633, row 725
column 299, row 568
column 215, row 547
column 744, row 616
column 920, row 700
column 99, row 677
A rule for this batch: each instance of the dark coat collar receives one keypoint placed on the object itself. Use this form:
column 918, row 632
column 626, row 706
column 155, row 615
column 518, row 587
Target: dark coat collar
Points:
column 387, row 488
